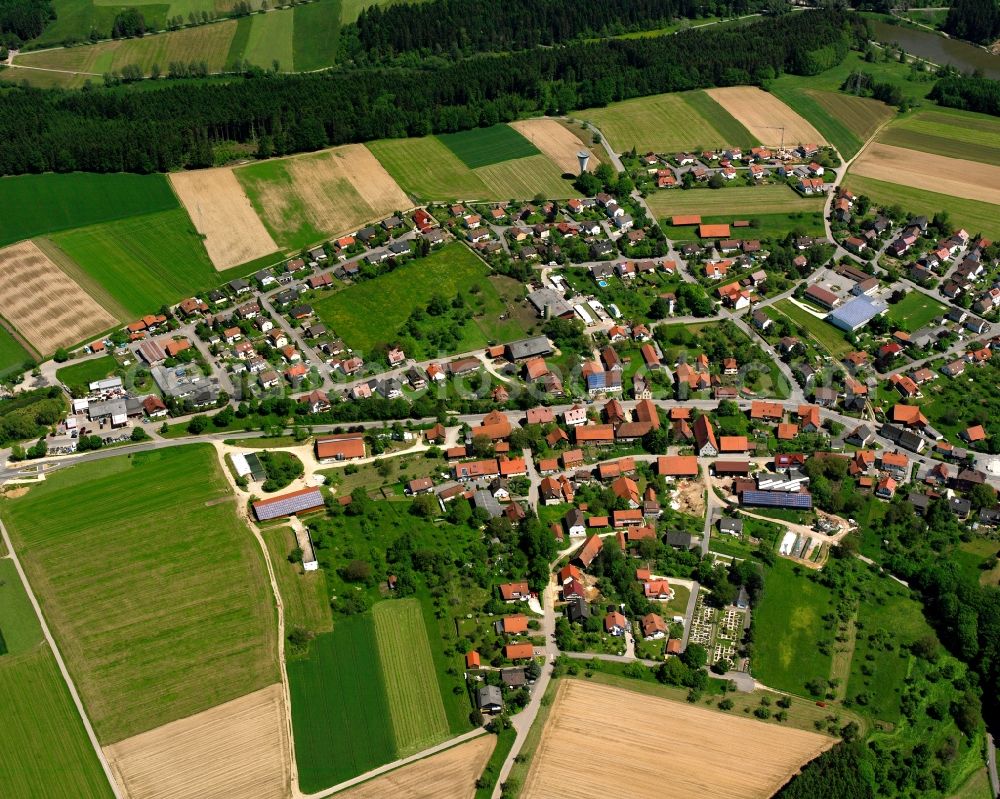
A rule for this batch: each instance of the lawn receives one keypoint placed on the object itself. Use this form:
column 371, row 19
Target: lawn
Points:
column 733, row 202
column 374, row 311
column 485, row 146
column 37, row 204
column 823, row 333
column 12, row 355
column 144, row 262
column 303, row 594
column 956, row 134
column 428, row 170
column 418, row 716
column 340, row 708
column 82, row 374
column 788, row 623
column 665, row 123
column 914, row 311
column 974, row 216
column 155, row 591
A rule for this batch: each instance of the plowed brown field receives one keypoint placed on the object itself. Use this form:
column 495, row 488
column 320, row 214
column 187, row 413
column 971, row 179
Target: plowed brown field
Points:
column 237, row 749
column 43, row 303
column 764, row 115
column 669, row 748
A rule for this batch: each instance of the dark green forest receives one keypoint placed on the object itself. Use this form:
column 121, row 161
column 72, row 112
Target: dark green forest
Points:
column 975, row 20
column 969, row 93
column 21, row 20
column 450, row 27
column 116, row 130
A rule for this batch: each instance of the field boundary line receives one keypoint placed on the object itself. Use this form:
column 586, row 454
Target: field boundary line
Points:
column 241, row 513
column 62, row 665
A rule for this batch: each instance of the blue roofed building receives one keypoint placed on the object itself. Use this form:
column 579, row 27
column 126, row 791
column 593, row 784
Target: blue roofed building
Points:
column 777, row 499
column 856, row 314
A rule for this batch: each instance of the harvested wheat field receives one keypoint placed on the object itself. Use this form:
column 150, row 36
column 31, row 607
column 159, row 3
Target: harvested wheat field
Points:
column 954, row 176
column 222, row 213
column 43, row 304
column 693, row 747
column 557, row 141
column 239, row 748
column 306, row 198
column 761, row 113
column 452, row 774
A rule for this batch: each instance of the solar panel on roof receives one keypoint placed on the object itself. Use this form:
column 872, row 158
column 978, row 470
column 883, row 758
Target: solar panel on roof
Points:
column 287, row 505
column 777, row 499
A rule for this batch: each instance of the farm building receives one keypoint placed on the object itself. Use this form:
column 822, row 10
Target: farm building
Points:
column 303, row 501
column 346, row 447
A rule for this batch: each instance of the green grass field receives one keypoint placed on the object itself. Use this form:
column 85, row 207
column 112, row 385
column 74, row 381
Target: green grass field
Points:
column 418, row 717
column 425, row 168
column 46, row 750
column 844, row 120
column 12, row 354
column 974, row 216
column 666, row 123
column 82, row 374
column 155, row 591
column 733, row 202
column 373, row 311
column 956, row 134
column 915, row 311
column 143, row 262
column 764, row 226
column 37, row 204
column 788, row 622
column 316, row 35
column 271, row 40
column 340, row 708
column 485, row 146
column 303, row 594
column 821, row 331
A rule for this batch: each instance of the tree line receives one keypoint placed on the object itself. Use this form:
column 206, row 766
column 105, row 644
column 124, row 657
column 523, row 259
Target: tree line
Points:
column 100, row 130
column 21, row 20
column 974, row 20
column 971, row 93
column 451, row 27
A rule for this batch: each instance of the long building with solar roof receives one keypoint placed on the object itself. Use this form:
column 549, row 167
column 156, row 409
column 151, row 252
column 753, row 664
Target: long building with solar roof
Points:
column 777, row 499
column 301, row 501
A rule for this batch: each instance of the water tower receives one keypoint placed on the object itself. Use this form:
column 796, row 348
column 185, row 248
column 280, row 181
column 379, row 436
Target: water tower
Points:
column 583, row 157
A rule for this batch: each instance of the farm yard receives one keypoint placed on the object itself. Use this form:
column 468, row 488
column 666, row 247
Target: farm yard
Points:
column 763, row 114
column 43, row 303
column 974, row 215
column 773, row 210
column 239, row 748
column 428, row 170
column 451, row 773
column 952, row 176
column 695, row 744
column 789, row 624
column 46, row 750
column 955, row 134
column 155, row 592
column 35, row 205
column 556, row 140
column 340, row 709
column 141, row 263
column 668, row 122
column 418, row 717
column 374, row 311
column 223, row 215
column 304, row 199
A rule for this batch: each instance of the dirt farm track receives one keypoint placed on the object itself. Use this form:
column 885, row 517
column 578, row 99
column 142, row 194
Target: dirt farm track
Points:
column 670, row 748
column 43, row 303
column 237, row 749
